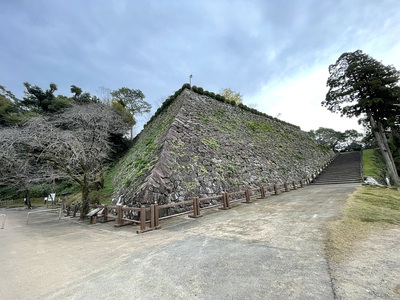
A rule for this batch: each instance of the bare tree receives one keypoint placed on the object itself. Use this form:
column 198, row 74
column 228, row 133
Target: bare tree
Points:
column 17, row 168
column 104, row 95
column 75, row 142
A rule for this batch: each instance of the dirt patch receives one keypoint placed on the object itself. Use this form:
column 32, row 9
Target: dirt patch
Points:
column 363, row 246
column 371, row 269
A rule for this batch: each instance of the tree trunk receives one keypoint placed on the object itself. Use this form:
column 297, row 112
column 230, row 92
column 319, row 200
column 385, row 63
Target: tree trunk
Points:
column 28, row 199
column 396, row 139
column 85, row 198
column 380, row 137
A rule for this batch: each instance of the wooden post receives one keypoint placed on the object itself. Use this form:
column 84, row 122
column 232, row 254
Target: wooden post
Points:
column 294, row 185
column 75, row 211
column 142, row 218
column 276, row 189
column 286, row 187
column 196, row 208
column 156, row 217
column 152, row 218
column 119, row 215
column 225, row 201
column 247, row 194
column 262, row 192
column 105, row 213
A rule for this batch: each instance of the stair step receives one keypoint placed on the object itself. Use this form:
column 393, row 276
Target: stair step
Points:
column 345, row 168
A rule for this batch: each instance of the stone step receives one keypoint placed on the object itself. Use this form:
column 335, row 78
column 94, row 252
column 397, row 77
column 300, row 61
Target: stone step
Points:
column 345, row 168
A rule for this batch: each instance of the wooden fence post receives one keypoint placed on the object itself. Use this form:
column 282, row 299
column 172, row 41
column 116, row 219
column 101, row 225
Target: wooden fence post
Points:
column 105, row 213
column 286, row 187
column 142, row 218
column 294, row 185
column 225, row 201
column 156, row 217
column 152, row 217
column 75, row 211
column 247, row 194
column 196, row 208
column 262, row 192
column 119, row 214
column 276, row 189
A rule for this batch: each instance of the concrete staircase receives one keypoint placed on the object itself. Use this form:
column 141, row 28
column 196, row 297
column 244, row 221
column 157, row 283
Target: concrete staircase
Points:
column 345, row 168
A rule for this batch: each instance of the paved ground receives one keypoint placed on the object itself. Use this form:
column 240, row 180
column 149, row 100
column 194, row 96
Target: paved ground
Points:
column 270, row 249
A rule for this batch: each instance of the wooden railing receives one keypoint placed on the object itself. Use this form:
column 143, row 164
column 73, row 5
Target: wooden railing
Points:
column 149, row 217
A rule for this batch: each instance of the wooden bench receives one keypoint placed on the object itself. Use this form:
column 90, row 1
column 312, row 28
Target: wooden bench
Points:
column 94, row 214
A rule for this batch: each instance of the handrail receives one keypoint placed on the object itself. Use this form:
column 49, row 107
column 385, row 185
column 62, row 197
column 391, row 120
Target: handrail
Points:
column 44, row 210
column 4, row 221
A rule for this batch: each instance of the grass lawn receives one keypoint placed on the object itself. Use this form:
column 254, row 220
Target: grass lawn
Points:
column 368, row 208
column 372, row 164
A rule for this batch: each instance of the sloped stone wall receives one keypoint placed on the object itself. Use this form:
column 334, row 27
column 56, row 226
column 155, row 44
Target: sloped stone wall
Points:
column 201, row 147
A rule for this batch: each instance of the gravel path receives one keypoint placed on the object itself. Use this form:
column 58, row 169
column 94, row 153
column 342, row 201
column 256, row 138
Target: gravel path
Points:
column 273, row 248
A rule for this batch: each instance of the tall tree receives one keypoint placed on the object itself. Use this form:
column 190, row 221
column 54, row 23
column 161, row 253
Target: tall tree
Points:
column 43, row 101
column 132, row 100
column 352, row 140
column 336, row 140
column 328, row 137
column 77, row 91
column 231, row 95
column 81, row 97
column 8, row 107
column 362, row 86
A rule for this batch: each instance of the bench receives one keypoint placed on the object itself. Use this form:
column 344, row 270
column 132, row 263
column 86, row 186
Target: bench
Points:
column 94, row 214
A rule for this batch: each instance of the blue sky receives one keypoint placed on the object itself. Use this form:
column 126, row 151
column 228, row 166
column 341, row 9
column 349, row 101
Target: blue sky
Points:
column 275, row 53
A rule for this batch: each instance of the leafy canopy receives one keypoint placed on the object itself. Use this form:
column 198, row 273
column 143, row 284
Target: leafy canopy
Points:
column 359, row 84
column 8, row 107
column 362, row 86
column 231, row 95
column 43, row 101
column 132, row 100
column 338, row 141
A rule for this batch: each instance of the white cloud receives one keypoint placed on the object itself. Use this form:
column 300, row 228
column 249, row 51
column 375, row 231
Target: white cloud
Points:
column 297, row 100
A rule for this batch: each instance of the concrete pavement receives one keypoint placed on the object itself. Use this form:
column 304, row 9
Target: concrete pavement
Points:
column 272, row 248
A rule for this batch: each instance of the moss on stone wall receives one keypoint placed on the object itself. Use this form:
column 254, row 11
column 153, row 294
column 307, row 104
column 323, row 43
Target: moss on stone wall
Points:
column 198, row 145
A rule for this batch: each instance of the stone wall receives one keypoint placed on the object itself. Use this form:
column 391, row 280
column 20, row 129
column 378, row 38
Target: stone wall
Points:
column 201, row 147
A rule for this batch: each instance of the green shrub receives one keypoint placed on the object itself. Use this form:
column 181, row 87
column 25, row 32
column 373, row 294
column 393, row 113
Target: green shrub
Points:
column 185, row 86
